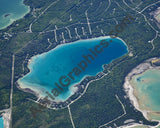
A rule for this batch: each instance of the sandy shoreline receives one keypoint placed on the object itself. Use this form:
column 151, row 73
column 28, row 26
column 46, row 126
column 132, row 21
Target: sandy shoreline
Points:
column 6, row 118
column 74, row 88
column 129, row 89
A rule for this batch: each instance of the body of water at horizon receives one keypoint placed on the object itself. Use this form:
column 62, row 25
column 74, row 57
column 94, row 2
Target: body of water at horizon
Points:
column 46, row 69
column 10, row 11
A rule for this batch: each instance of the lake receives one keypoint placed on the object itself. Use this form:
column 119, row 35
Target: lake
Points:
column 58, row 70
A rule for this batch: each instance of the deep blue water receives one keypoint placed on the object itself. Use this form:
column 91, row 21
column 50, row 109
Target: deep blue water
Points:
column 47, row 69
column 1, row 122
column 11, row 10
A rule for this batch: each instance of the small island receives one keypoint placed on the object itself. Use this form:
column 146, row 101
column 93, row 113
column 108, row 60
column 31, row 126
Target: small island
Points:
column 6, row 15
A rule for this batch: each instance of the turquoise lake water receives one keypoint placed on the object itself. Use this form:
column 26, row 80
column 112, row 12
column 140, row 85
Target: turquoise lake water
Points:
column 11, row 10
column 47, row 69
column 1, row 122
column 147, row 87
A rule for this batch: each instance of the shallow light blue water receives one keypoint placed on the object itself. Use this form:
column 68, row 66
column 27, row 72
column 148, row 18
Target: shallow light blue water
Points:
column 1, row 122
column 47, row 68
column 16, row 10
column 148, row 87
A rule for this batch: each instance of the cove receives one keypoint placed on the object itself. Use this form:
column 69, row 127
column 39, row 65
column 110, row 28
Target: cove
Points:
column 46, row 69
column 10, row 11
